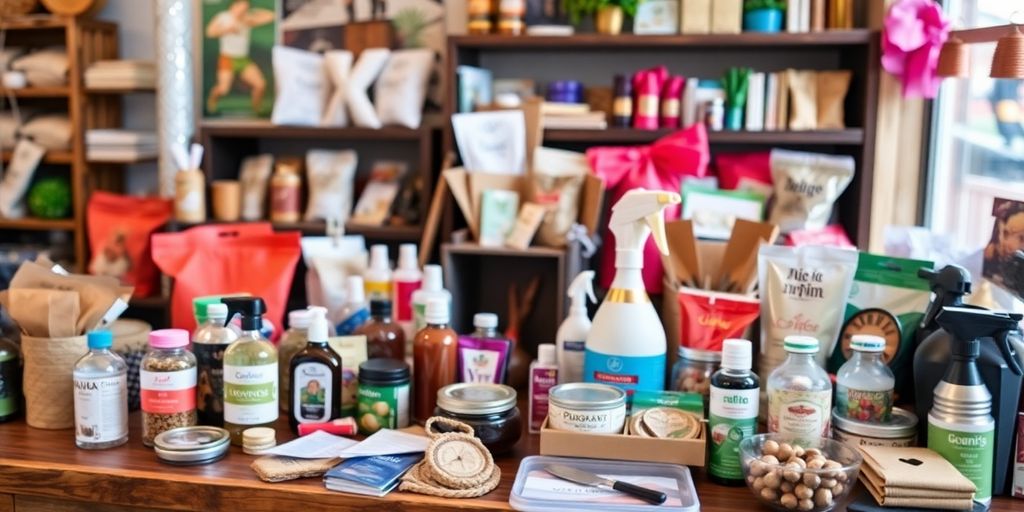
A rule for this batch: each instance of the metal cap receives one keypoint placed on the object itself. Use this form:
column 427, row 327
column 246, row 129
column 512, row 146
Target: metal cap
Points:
column 476, row 399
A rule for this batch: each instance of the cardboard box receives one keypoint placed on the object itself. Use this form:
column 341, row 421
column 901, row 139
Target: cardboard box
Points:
column 689, row 452
column 694, row 16
column 726, row 16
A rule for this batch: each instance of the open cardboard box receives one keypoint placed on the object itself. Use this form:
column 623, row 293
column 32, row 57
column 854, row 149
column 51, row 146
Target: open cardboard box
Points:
column 689, row 452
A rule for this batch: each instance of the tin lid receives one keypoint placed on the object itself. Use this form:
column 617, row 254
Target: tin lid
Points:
column 704, row 356
column 586, row 395
column 475, row 398
column 383, row 371
column 903, row 424
column 192, row 445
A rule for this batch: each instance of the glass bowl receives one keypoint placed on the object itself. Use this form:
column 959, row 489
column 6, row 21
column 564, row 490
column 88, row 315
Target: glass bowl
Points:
column 788, row 485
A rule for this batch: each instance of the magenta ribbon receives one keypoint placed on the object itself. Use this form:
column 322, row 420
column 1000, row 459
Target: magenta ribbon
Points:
column 912, row 38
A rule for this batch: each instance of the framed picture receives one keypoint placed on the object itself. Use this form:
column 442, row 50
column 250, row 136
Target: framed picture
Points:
column 657, row 17
column 236, row 41
column 1004, row 260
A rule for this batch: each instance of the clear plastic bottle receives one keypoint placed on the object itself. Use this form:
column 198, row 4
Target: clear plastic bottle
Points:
column 101, row 395
column 800, row 393
column 293, row 340
column 208, row 344
column 354, row 313
column 864, row 384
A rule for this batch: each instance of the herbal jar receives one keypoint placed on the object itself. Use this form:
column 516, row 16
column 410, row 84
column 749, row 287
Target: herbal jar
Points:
column 489, row 408
column 383, row 395
column 587, row 407
column 693, row 370
column 167, row 378
column 899, row 432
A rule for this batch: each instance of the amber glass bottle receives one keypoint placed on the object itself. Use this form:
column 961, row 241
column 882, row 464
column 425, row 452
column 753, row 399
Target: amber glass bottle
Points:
column 435, row 359
column 315, row 377
column 384, row 338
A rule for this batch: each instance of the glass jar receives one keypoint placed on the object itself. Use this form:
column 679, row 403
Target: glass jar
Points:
column 800, row 393
column 167, row 378
column 383, row 396
column 292, row 341
column 864, row 384
column 480, row 17
column 510, row 17
column 489, row 408
column 693, row 370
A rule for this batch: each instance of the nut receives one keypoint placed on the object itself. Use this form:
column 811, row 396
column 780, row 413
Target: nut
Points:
column 834, row 467
column 828, row 483
column 786, row 487
column 823, row 498
column 772, row 480
column 793, row 472
column 798, row 450
column 770, row 447
column 838, row 490
column 812, row 480
column 806, row 505
column 757, row 468
column 803, row 492
column 815, row 463
column 770, row 459
column 813, row 453
column 797, row 460
column 789, row 501
column 769, row 494
column 758, row 484
column 785, row 451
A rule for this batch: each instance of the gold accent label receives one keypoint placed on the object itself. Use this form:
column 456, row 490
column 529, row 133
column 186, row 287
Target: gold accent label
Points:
column 647, row 105
column 624, row 296
column 623, row 106
column 670, row 107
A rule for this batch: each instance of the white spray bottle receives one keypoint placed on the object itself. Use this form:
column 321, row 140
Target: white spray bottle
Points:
column 572, row 334
column 626, row 344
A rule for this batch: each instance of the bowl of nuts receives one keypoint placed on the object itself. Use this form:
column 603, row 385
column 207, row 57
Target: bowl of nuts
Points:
column 808, row 476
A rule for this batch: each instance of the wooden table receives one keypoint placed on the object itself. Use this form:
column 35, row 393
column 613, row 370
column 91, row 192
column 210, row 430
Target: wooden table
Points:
column 42, row 470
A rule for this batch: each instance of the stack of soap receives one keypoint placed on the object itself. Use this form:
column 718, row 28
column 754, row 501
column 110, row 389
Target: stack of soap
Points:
column 914, row 477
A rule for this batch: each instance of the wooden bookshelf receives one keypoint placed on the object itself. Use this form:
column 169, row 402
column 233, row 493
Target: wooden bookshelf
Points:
column 847, row 137
column 61, row 91
column 51, row 157
column 854, row 37
column 35, row 224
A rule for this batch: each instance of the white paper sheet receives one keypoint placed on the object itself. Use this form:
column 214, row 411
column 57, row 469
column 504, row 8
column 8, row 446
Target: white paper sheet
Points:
column 318, row 445
column 387, row 442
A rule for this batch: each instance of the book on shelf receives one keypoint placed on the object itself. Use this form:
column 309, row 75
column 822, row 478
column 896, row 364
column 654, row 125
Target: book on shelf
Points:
column 782, row 101
column 771, row 101
column 754, row 117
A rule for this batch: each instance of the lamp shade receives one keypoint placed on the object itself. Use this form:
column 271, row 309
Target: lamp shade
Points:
column 953, row 58
column 1008, row 59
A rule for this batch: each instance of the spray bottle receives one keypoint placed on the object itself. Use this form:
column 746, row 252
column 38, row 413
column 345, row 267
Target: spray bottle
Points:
column 250, row 372
column 626, row 346
column 572, row 334
column 960, row 425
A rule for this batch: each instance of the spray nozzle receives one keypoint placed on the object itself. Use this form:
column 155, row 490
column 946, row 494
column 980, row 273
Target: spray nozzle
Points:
column 636, row 216
column 970, row 325
column 318, row 325
column 250, row 308
column 581, row 288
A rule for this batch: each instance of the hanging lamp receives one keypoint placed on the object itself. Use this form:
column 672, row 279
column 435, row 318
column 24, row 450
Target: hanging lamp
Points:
column 954, row 58
column 1008, row 59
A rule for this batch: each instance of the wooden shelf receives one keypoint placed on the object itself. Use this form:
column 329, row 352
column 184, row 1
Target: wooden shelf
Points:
column 51, row 157
column 34, row 224
column 61, row 91
column 318, row 227
column 129, row 161
column 849, row 136
column 829, row 38
column 479, row 250
column 120, row 90
column 240, row 129
column 49, row 21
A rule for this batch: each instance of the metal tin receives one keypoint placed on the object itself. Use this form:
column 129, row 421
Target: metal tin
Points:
column 587, row 407
column 187, row 446
column 901, row 431
column 476, row 398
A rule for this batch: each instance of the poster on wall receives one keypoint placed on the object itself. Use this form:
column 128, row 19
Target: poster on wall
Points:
column 1004, row 254
column 237, row 38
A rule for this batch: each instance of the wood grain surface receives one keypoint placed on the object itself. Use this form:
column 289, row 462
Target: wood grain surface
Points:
column 44, row 470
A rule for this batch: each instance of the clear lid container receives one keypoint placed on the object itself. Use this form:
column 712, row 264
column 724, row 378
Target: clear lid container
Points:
column 187, row 446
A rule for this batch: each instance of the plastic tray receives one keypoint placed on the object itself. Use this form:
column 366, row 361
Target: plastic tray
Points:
column 683, row 500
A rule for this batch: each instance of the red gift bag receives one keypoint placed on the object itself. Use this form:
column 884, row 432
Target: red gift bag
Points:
column 119, row 228
column 225, row 259
column 660, row 166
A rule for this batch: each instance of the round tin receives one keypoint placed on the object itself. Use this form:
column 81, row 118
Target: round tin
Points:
column 901, row 431
column 476, row 398
column 587, row 407
column 188, row 446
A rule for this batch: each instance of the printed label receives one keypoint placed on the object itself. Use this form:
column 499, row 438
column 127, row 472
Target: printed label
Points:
column 210, row 383
column 9, row 394
column 419, row 317
column 799, row 414
column 570, row 367
column 312, row 393
column 168, row 392
column 541, row 381
column 733, row 417
column 101, row 409
column 625, row 372
column 377, row 289
column 870, row 406
column 608, row 421
column 971, row 453
column 382, row 407
column 284, row 200
column 349, row 325
column 480, row 365
column 250, row 394
column 349, row 391
column 403, row 299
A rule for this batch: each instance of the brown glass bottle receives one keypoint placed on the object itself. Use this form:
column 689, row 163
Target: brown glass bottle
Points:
column 435, row 359
column 315, row 377
column 384, row 338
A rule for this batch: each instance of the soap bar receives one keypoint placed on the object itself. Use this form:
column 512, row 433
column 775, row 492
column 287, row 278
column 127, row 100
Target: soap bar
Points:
column 695, row 16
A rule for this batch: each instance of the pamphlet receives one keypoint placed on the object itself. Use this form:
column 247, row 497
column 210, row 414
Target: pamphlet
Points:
column 318, row 445
column 387, row 442
column 373, row 476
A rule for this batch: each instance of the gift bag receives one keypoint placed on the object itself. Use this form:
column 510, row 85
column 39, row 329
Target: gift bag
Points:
column 48, row 381
column 660, row 166
column 225, row 259
column 119, row 228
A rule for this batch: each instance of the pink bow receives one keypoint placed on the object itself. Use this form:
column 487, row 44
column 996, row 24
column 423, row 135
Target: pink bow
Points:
column 660, row 166
column 911, row 41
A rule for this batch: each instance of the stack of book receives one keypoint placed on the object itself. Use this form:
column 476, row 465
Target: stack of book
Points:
column 121, row 74
column 767, row 102
column 114, row 145
column 572, row 116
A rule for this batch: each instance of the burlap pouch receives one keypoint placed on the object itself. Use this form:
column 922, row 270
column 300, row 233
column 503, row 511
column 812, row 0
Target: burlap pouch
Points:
column 48, row 381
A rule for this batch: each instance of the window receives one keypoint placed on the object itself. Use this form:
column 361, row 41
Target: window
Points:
column 978, row 136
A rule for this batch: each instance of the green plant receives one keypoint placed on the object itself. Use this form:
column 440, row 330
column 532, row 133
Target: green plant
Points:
column 578, row 9
column 753, row 5
column 735, row 83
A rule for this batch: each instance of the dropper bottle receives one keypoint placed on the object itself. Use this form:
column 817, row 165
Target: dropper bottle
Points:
column 250, row 372
column 315, row 376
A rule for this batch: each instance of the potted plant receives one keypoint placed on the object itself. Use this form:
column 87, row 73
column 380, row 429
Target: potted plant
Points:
column 763, row 15
column 608, row 14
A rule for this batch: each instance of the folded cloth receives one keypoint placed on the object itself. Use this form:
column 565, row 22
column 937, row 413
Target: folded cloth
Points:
column 914, row 468
column 113, row 137
column 869, row 477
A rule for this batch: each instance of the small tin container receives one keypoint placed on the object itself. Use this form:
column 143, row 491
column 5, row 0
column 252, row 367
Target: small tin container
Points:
column 587, row 407
column 489, row 408
column 565, row 91
column 900, row 432
column 191, row 446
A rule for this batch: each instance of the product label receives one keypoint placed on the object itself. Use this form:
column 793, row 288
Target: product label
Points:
column 733, row 417
column 9, row 380
column 799, row 414
column 403, row 299
column 284, row 201
column 570, row 364
column 969, row 452
column 382, row 407
column 210, row 384
column 541, row 381
column 871, row 406
column 250, row 394
column 312, row 393
column 625, row 372
column 622, row 106
column 377, row 289
column 168, row 392
column 419, row 316
column 101, row 409
column 480, row 365
column 349, row 325
column 607, row 421
column 349, row 392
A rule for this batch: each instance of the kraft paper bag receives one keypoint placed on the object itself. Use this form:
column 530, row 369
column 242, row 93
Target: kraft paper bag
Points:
column 803, row 99
column 45, row 313
column 832, row 87
column 48, row 380
column 915, row 468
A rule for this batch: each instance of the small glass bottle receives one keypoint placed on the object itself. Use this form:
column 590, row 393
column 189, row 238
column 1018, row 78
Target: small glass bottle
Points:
column 734, row 402
column 101, row 395
column 250, row 372
column 800, row 393
column 285, row 193
column 864, row 384
column 510, row 17
column 480, row 17
column 384, row 338
column 316, row 376
column 622, row 106
column 293, row 340
column 10, row 379
column 208, row 344
column 693, row 369
column 167, row 380
column 435, row 356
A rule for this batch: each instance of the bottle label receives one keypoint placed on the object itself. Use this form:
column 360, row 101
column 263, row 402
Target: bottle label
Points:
column 284, row 200
column 480, row 365
column 403, row 299
column 349, row 325
column 419, row 316
column 628, row 373
column 733, row 417
column 210, row 383
column 803, row 415
column 570, row 364
column 969, row 450
column 9, row 394
column 250, row 394
column 312, row 393
column 622, row 106
column 870, row 406
column 382, row 407
column 168, row 392
column 377, row 289
column 541, row 381
column 101, row 409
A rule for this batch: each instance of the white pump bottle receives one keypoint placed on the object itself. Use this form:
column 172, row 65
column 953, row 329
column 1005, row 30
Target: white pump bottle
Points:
column 626, row 345
column 572, row 334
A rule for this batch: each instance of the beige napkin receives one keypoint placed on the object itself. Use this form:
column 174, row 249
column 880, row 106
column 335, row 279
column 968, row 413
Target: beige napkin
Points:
column 915, row 468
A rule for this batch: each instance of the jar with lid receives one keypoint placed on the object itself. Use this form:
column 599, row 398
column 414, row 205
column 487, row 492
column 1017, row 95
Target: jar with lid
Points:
column 10, row 379
column 800, row 393
column 383, row 395
column 899, row 432
column 286, row 191
column 480, row 14
column 489, row 408
column 864, row 384
column 384, row 338
column 292, row 341
column 693, row 370
column 167, row 379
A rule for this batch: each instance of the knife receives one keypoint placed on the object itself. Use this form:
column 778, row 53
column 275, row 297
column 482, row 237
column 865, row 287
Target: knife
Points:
column 589, row 479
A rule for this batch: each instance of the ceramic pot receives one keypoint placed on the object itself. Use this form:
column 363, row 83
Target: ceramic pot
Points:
column 763, row 20
column 609, row 20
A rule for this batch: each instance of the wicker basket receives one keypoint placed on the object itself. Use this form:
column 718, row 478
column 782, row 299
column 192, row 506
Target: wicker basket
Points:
column 48, row 381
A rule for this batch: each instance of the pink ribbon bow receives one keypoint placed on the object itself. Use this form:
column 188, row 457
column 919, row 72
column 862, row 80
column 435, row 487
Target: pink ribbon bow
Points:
column 911, row 41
